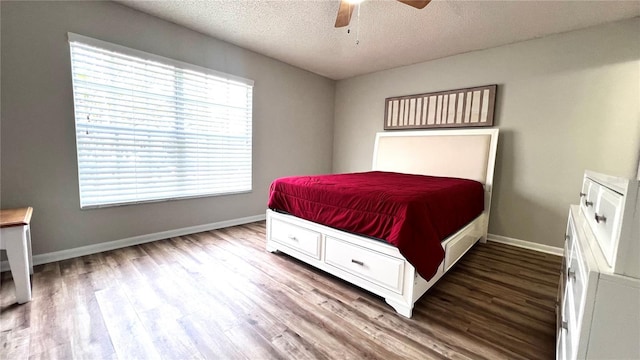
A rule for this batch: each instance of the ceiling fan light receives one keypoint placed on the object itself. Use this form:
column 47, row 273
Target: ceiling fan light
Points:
column 354, row 2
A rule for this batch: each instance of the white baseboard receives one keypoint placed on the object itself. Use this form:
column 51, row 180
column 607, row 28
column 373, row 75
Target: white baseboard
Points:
column 136, row 240
column 525, row 244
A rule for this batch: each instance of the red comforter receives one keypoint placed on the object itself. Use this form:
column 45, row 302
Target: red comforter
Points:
column 413, row 212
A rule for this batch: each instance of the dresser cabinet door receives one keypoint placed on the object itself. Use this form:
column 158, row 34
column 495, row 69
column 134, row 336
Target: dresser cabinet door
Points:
column 606, row 222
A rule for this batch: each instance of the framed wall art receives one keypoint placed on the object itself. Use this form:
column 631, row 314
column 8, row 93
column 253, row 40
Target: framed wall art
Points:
column 469, row 107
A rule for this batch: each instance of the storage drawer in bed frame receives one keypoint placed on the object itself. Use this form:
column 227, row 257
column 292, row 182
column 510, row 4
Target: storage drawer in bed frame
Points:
column 371, row 264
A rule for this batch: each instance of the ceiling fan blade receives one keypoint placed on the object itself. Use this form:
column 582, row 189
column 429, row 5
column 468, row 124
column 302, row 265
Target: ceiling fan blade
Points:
column 344, row 13
column 418, row 4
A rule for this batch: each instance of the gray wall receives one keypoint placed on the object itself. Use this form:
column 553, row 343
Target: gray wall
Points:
column 565, row 103
column 292, row 122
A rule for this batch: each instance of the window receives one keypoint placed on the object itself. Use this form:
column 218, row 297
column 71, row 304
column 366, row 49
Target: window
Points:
column 150, row 128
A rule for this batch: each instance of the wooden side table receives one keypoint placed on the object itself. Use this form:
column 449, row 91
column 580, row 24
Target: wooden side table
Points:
column 15, row 238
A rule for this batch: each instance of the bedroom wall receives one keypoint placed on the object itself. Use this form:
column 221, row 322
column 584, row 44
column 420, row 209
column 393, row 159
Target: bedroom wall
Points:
column 293, row 109
column 565, row 103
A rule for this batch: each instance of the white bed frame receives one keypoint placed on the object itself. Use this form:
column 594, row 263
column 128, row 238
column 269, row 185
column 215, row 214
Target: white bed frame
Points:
column 375, row 265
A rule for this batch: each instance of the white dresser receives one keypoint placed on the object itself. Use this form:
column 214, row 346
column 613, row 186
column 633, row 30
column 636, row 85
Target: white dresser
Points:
column 599, row 293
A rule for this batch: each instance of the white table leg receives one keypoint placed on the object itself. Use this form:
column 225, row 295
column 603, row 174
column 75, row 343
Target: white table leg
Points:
column 27, row 231
column 15, row 242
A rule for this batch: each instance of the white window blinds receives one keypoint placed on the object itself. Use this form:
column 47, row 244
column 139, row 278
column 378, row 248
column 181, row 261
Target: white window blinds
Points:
column 150, row 128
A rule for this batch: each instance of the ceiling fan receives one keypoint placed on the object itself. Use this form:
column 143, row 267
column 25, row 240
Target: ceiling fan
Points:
column 346, row 9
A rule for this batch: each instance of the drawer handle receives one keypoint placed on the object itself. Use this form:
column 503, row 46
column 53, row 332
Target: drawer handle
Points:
column 588, row 203
column 600, row 218
column 291, row 237
column 582, row 194
column 571, row 274
column 358, row 262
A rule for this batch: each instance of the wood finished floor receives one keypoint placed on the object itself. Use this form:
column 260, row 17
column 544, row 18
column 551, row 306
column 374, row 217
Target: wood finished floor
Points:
column 220, row 295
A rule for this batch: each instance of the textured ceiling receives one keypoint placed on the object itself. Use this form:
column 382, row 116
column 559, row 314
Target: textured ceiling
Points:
column 390, row 34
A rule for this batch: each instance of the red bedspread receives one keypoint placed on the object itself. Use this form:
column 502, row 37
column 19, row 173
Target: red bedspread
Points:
column 413, row 212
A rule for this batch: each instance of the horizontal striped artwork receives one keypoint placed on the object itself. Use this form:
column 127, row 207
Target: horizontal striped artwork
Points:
column 470, row 107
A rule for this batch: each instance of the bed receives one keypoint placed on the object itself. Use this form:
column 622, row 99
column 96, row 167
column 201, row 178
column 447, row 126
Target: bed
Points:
column 382, row 262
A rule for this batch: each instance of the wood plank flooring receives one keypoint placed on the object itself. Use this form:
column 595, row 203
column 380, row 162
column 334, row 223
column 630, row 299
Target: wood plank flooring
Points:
column 220, row 295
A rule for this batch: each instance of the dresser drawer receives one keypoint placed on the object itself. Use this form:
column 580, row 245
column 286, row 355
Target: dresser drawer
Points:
column 563, row 278
column 380, row 269
column 297, row 238
column 606, row 220
column 610, row 207
column 567, row 331
column 576, row 279
column 570, row 235
column 589, row 197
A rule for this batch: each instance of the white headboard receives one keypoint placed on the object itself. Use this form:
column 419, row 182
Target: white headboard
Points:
column 468, row 154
